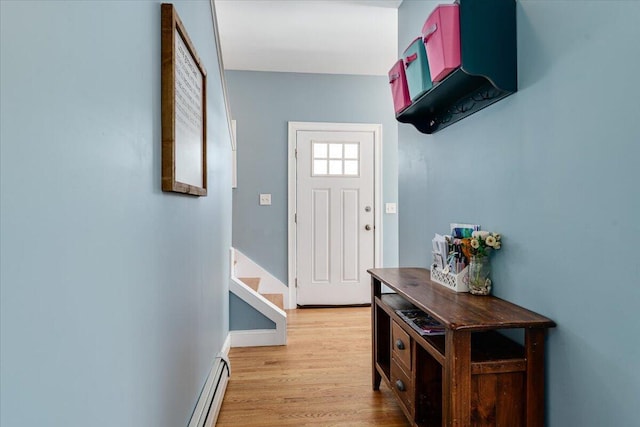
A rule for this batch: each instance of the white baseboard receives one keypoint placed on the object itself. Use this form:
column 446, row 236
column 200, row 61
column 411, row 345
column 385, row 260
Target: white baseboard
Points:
column 256, row 338
column 226, row 346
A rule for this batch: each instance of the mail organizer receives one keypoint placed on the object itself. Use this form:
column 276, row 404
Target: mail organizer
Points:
column 468, row 78
column 456, row 282
column 399, row 89
column 416, row 68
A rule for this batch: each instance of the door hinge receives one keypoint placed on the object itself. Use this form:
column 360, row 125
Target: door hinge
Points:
column 295, row 153
column 295, row 218
column 296, row 281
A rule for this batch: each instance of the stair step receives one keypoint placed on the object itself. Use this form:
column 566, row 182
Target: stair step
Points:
column 252, row 282
column 276, row 299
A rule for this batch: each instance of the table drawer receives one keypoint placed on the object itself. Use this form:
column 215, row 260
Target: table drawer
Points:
column 401, row 346
column 402, row 385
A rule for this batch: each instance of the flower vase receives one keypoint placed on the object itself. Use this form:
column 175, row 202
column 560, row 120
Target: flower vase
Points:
column 479, row 271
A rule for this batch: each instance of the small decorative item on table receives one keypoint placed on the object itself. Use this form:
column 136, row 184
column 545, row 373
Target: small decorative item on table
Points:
column 479, row 272
column 478, row 248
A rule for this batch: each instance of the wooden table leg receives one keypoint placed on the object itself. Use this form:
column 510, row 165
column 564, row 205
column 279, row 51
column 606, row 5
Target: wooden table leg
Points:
column 457, row 379
column 376, row 291
column 534, row 349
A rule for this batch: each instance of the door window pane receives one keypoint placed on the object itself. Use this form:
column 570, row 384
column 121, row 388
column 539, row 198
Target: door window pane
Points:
column 319, row 150
column 319, row 167
column 335, row 151
column 350, row 151
column 335, row 159
column 335, row 167
column 351, row 167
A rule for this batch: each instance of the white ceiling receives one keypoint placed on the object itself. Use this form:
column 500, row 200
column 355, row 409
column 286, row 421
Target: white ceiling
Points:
column 309, row 36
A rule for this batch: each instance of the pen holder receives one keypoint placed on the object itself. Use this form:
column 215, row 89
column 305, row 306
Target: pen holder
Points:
column 456, row 282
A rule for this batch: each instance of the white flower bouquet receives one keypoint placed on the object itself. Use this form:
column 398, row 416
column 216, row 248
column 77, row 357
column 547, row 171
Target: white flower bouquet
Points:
column 481, row 243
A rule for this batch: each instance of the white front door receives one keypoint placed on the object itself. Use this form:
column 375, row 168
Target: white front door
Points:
column 335, row 216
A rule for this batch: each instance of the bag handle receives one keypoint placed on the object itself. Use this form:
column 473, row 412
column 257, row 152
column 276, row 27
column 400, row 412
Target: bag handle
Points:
column 409, row 59
column 430, row 31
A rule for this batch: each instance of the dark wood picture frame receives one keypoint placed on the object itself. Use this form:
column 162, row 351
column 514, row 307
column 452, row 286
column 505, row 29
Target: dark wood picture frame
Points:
column 184, row 109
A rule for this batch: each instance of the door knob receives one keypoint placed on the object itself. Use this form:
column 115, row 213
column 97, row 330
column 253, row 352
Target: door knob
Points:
column 367, row 227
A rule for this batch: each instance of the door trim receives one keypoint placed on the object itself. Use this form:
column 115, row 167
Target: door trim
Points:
column 294, row 127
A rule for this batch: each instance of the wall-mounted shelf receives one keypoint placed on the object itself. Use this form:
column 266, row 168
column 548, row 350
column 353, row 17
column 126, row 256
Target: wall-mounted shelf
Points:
column 488, row 71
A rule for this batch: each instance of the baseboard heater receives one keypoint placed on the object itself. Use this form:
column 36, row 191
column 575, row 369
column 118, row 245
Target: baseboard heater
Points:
column 208, row 406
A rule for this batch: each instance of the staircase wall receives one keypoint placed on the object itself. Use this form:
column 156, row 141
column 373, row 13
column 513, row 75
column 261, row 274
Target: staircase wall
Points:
column 258, row 318
column 243, row 317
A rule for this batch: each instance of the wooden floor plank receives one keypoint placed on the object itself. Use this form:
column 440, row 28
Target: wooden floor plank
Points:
column 321, row 378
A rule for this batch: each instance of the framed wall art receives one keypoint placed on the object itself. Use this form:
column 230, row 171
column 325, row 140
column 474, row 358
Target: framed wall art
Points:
column 184, row 109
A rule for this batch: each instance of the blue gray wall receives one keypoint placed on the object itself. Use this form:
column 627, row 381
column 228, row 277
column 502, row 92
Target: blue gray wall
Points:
column 244, row 317
column 263, row 103
column 554, row 168
column 113, row 294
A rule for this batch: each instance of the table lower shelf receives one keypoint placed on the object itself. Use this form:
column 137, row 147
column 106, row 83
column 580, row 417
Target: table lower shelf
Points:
column 491, row 352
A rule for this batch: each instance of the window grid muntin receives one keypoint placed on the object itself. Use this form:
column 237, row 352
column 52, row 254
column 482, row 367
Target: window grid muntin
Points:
column 335, row 159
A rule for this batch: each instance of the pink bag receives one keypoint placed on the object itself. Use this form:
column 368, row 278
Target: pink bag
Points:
column 441, row 35
column 399, row 88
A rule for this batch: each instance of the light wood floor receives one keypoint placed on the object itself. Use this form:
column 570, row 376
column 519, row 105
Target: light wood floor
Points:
column 321, row 378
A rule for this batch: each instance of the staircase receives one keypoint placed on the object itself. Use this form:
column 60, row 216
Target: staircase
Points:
column 265, row 294
column 254, row 283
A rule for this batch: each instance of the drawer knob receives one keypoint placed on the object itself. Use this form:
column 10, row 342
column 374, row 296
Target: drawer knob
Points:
column 400, row 345
column 400, row 385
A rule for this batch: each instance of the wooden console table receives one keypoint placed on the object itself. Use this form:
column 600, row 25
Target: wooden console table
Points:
column 470, row 376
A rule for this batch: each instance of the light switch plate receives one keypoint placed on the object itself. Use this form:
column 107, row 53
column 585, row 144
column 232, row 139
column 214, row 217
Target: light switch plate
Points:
column 390, row 208
column 265, row 199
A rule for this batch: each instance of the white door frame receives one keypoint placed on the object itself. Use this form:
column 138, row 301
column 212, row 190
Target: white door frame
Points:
column 294, row 127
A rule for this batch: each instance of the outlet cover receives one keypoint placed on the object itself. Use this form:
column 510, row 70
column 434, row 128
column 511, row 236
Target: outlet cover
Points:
column 390, row 208
column 265, row 199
